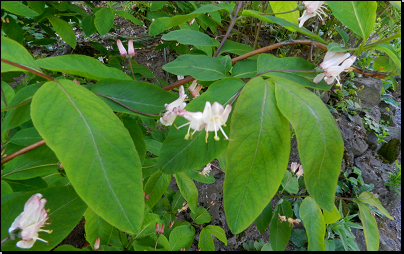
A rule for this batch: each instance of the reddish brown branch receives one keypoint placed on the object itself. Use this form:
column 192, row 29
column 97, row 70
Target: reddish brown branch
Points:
column 23, row 150
column 28, row 69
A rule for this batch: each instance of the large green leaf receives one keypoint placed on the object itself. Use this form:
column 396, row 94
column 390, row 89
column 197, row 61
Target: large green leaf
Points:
column 369, row 198
column 178, row 154
column 205, row 242
column 369, row 227
column 129, row 16
column 104, row 20
column 314, row 223
column 207, row 8
column 15, row 52
column 64, row 30
column 181, row 237
column 235, row 48
column 137, row 136
column 245, row 69
column 200, row 67
column 331, row 217
column 94, row 148
column 189, row 37
column 285, row 6
column 65, row 211
column 158, row 26
column 156, row 185
column 81, row 65
column 180, row 19
column 281, row 231
column 188, row 189
column 359, row 16
column 270, row 62
column 18, row 8
column 26, row 137
column 218, row 232
column 286, row 24
column 262, row 221
column 97, row 227
column 257, row 155
column 389, row 50
column 137, row 95
column 318, row 139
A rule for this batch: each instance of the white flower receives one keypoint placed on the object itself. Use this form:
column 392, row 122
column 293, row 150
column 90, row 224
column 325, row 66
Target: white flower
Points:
column 294, row 166
column 206, row 170
column 172, row 108
column 122, row 50
column 30, row 221
column 195, row 121
column 299, row 172
column 195, row 90
column 214, row 116
column 313, row 8
column 332, row 68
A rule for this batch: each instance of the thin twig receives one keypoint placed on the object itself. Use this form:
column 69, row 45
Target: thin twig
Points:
column 28, row 69
column 22, row 151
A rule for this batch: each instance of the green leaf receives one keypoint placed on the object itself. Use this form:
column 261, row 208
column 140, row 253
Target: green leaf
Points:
column 137, row 136
column 257, row 156
column 195, row 175
column 270, row 62
column 180, row 19
column 129, row 16
column 383, row 64
column 36, row 183
column 87, row 24
column 26, row 137
column 181, row 237
column 104, row 20
column 335, row 47
column 5, row 188
column 77, row 9
column 331, row 217
column 369, row 198
column 389, row 50
column 81, row 65
column 280, row 231
column 15, row 52
column 359, row 16
column 188, row 189
column 38, row 6
column 369, row 227
column 156, row 186
column 157, row 5
column 148, row 225
column 314, row 223
column 13, row 30
column 286, row 24
column 245, row 69
column 290, row 183
column 138, row 95
column 19, row 115
column 262, row 221
column 218, row 232
column 64, row 30
column 153, row 146
column 318, row 139
column 100, row 159
column 207, row 8
column 7, row 95
column 200, row 215
column 284, row 6
column 189, row 37
column 97, row 227
column 18, row 8
column 38, row 162
column 158, row 26
column 205, row 241
column 62, row 203
column 344, row 35
column 298, row 237
column 235, row 48
column 178, row 154
column 204, row 68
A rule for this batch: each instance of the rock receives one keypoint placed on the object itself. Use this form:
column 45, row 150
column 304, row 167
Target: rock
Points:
column 354, row 135
column 372, row 111
column 371, row 93
column 390, row 151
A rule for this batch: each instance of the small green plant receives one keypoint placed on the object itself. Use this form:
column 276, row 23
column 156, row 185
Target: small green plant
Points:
column 258, row 245
column 394, row 181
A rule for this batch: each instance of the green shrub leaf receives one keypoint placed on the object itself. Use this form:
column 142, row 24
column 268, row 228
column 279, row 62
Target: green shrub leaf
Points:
column 314, row 223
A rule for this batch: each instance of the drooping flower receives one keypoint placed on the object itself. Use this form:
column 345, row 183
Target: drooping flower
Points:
column 299, row 172
column 195, row 121
column 206, row 170
column 293, row 221
column 29, row 222
column 313, row 8
column 214, row 116
column 172, row 108
column 282, row 217
column 195, row 90
column 123, row 51
column 97, row 244
column 332, row 68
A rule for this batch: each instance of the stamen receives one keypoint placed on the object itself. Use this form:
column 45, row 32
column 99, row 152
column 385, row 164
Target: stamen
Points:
column 224, row 134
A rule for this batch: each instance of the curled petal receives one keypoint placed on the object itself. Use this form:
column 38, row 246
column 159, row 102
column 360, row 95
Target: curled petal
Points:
column 305, row 17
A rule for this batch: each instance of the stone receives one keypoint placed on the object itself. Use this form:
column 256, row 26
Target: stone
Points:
column 354, row 136
column 390, row 151
column 371, row 92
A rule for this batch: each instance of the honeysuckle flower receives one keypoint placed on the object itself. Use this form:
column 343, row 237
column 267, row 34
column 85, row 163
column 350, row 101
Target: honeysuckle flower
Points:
column 299, row 172
column 29, row 222
column 184, row 207
column 282, row 218
column 171, row 224
column 195, row 121
column 214, row 116
column 206, row 170
column 162, row 229
column 195, row 90
column 293, row 222
column 97, row 244
column 172, row 108
column 122, row 50
column 156, row 229
column 332, row 68
column 313, row 8
column 294, row 166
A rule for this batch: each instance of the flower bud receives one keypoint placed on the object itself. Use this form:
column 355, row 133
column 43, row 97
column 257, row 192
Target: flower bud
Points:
column 97, row 244
column 162, row 229
column 171, row 224
column 121, row 48
column 131, row 50
column 156, row 229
